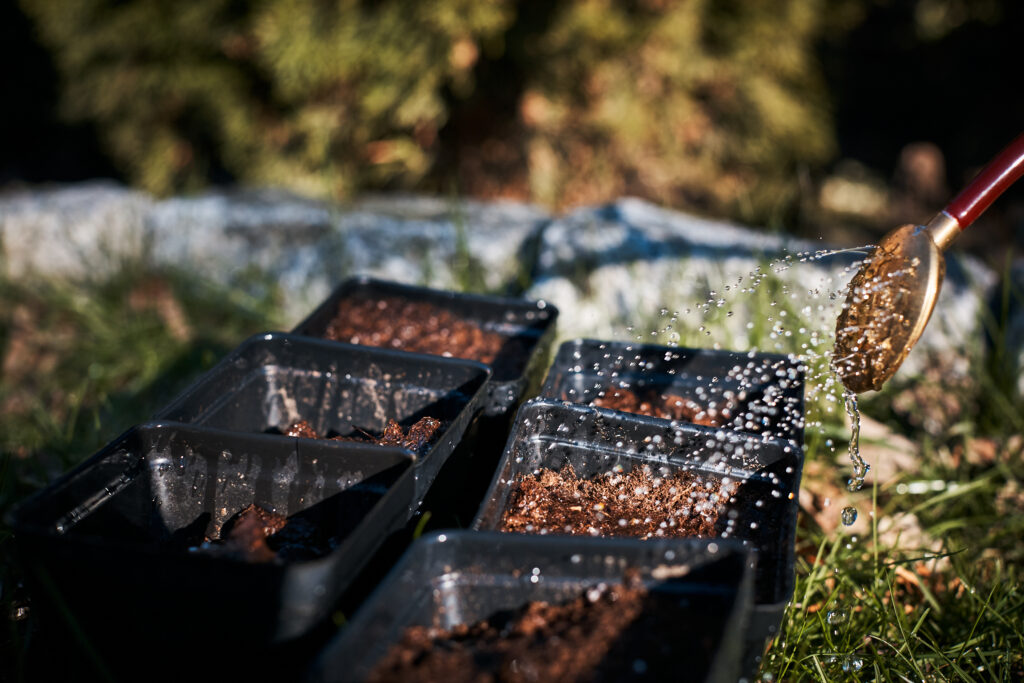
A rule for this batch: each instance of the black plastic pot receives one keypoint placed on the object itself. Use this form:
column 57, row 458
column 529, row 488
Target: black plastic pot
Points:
column 111, row 546
column 461, row 577
column 764, row 392
column 272, row 380
column 528, row 325
column 762, row 513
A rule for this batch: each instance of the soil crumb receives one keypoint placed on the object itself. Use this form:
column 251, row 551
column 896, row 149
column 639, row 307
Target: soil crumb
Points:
column 301, row 429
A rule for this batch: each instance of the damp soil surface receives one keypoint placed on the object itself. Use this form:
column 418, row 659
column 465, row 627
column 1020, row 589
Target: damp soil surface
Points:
column 416, row 438
column 637, row 503
column 609, row 633
column 397, row 323
column 654, row 403
column 258, row 535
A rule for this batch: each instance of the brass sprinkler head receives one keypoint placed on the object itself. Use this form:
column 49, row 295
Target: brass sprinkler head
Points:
column 887, row 308
column 892, row 297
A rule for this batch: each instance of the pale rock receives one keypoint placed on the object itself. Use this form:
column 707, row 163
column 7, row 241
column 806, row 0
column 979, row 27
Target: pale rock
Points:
column 73, row 231
column 259, row 238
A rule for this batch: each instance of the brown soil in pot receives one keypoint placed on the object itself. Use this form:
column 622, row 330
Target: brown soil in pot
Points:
column 397, row 323
column 636, row 504
column 415, row 438
column 602, row 635
column 258, row 535
column 654, row 403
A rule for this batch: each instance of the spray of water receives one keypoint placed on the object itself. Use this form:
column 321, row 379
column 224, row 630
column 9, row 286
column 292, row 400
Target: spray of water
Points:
column 788, row 311
column 796, row 317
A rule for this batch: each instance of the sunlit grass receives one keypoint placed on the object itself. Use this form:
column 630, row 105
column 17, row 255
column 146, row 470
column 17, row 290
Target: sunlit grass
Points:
column 84, row 361
column 951, row 613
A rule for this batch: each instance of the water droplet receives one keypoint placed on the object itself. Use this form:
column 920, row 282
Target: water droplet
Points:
column 837, row 616
column 849, row 515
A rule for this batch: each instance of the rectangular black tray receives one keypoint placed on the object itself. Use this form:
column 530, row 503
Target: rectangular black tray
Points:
column 460, row 577
column 111, row 544
column 529, row 326
column 765, row 391
column 272, row 380
column 762, row 514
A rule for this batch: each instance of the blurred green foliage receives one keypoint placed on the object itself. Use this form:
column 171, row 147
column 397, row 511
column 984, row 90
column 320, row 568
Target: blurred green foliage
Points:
column 321, row 97
column 716, row 105
column 698, row 103
column 708, row 103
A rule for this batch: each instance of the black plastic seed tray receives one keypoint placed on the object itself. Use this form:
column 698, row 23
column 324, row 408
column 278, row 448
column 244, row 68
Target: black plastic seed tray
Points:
column 688, row 629
column 753, row 392
column 528, row 327
column 116, row 546
column 273, row 380
column 761, row 513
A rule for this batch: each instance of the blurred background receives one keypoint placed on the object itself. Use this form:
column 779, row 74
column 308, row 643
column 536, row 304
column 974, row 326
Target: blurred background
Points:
column 838, row 118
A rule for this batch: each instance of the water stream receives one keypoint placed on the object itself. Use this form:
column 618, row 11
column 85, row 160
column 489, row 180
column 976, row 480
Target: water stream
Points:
column 860, row 468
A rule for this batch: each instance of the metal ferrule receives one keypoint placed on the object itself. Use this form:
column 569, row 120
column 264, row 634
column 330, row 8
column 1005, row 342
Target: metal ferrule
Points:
column 943, row 229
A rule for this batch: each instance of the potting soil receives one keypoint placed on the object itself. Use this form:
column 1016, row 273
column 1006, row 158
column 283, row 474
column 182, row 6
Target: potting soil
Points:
column 637, row 503
column 666, row 406
column 258, row 535
column 418, row 435
column 398, row 323
column 609, row 633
